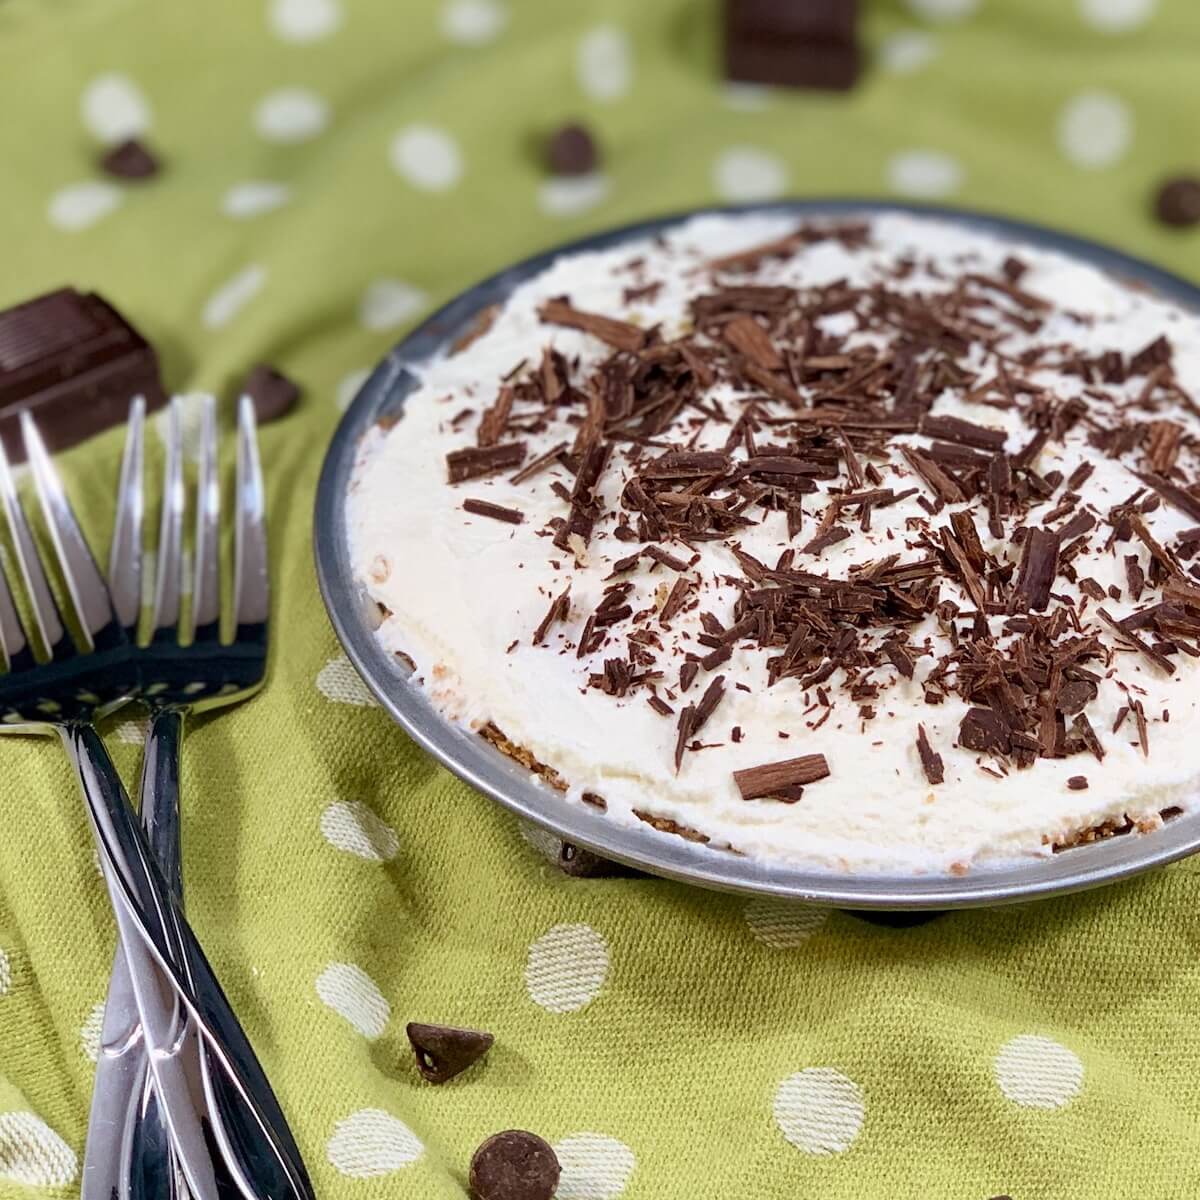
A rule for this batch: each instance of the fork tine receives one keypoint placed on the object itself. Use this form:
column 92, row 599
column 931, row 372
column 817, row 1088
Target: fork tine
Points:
column 251, row 592
column 125, row 554
column 170, row 531
column 85, row 583
column 45, row 611
column 206, row 577
column 13, row 641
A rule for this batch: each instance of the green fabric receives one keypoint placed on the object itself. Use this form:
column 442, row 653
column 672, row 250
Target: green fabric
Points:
column 1047, row 1051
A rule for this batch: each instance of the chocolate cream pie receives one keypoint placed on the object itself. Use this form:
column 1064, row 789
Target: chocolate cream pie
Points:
column 870, row 545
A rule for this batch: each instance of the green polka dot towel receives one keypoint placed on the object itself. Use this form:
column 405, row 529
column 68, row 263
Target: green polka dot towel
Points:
column 333, row 169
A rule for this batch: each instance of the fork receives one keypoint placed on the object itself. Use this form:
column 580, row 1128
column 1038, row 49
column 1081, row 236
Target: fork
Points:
column 63, row 690
column 177, row 679
column 60, row 687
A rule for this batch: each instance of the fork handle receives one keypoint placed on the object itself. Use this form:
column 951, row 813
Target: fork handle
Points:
column 137, row 884
column 118, row 1110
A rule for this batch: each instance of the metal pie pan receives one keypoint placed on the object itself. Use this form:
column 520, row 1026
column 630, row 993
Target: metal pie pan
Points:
column 491, row 772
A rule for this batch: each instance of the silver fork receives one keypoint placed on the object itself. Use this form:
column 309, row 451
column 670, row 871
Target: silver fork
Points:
column 256, row 1149
column 63, row 689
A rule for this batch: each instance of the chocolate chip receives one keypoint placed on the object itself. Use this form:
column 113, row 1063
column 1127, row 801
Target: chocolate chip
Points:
column 274, row 394
column 514, row 1165
column 1078, row 783
column 1178, row 201
column 583, row 864
column 897, row 920
column 444, row 1051
column 131, row 160
column 572, row 151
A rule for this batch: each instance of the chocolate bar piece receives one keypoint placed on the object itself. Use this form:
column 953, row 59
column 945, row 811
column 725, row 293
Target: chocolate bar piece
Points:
column 814, row 65
column 73, row 361
column 792, row 43
column 813, row 20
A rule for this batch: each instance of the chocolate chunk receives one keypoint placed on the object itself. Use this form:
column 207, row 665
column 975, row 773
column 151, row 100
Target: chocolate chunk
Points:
column 130, row 160
column 1075, row 696
column 1078, row 783
column 985, row 731
column 583, row 864
column 781, row 779
column 792, row 43
column 273, row 393
column 572, row 151
column 74, row 362
column 821, row 20
column 444, row 1051
column 514, row 1165
column 931, row 761
column 1177, row 201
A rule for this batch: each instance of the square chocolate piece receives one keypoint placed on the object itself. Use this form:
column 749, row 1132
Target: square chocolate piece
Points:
column 813, row 20
column 792, row 43
column 75, row 363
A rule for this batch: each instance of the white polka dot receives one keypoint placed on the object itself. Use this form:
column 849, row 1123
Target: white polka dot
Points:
column 353, row 827
column 924, row 173
column 567, row 197
column 390, row 302
column 114, row 109
column 542, row 840
column 33, row 1154
column 944, row 10
column 1095, row 129
column 91, row 1032
column 353, row 994
column 746, row 97
column 304, row 20
column 292, row 114
column 372, row 1142
column 79, row 205
column 1036, row 1072
column 5, row 974
column 428, row 158
column 349, row 387
column 594, row 1167
column 233, row 295
column 819, row 1110
column 744, row 173
column 340, row 682
column 133, row 733
column 254, row 197
column 907, row 51
column 781, row 925
column 1116, row 16
column 473, row 22
column 566, row 968
column 605, row 63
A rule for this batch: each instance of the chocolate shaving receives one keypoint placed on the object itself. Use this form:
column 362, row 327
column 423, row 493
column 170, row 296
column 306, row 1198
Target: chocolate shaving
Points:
column 1159, row 660
column 485, row 508
column 559, row 608
column 474, row 462
column 1039, row 566
column 781, row 779
column 621, row 335
column 931, row 761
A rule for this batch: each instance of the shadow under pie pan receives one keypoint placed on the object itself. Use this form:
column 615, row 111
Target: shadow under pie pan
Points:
column 473, row 759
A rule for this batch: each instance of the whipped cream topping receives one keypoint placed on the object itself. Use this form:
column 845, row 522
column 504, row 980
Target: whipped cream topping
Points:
column 462, row 593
